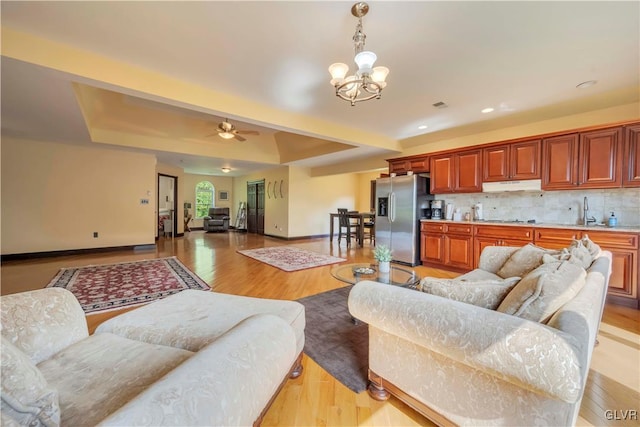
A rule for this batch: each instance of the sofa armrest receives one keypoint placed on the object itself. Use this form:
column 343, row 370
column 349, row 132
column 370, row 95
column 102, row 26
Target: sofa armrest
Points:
column 494, row 257
column 41, row 323
column 228, row 382
column 525, row 353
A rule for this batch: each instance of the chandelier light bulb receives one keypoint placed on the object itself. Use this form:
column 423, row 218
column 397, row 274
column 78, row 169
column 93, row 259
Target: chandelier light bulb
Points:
column 380, row 75
column 365, row 61
column 338, row 72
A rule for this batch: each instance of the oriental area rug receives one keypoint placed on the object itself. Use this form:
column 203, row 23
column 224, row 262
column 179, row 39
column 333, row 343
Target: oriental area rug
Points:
column 113, row 286
column 290, row 258
column 333, row 341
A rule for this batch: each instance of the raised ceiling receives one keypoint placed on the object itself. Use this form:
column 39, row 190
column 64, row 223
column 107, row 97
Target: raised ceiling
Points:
column 160, row 76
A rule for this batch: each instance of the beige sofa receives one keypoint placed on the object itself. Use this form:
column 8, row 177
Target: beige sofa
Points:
column 190, row 361
column 463, row 364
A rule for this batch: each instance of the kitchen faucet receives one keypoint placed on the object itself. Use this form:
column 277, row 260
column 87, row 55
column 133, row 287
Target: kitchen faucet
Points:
column 586, row 219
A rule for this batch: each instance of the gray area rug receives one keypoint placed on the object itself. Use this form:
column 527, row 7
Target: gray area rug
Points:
column 333, row 341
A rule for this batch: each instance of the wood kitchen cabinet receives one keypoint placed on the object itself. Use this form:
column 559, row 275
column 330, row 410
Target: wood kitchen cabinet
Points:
column 587, row 160
column 458, row 172
column 631, row 157
column 515, row 161
column 447, row 245
column 416, row 164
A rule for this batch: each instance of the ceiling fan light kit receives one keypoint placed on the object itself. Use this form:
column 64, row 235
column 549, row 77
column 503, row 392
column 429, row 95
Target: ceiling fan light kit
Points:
column 368, row 81
column 228, row 131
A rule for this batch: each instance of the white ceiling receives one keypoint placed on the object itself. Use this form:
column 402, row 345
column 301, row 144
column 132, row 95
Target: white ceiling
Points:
column 517, row 57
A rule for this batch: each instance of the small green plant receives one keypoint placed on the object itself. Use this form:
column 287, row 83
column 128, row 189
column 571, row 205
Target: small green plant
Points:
column 382, row 253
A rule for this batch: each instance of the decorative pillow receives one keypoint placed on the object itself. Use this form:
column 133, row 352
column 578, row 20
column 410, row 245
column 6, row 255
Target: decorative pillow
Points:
column 592, row 247
column 575, row 253
column 483, row 293
column 544, row 290
column 27, row 399
column 522, row 261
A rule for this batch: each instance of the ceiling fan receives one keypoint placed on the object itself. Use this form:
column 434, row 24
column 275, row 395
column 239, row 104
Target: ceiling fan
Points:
column 228, row 131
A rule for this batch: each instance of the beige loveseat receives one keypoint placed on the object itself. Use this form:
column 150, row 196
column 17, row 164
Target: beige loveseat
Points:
column 197, row 358
column 463, row 364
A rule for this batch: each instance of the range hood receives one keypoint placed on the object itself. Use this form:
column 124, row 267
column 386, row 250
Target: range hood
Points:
column 525, row 185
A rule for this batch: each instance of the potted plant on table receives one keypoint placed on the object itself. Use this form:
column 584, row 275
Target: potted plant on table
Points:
column 382, row 254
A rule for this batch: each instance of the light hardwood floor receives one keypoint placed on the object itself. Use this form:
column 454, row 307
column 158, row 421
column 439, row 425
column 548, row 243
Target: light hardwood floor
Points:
column 316, row 399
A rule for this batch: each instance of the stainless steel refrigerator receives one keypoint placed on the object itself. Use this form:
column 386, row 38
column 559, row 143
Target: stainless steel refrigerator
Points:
column 398, row 203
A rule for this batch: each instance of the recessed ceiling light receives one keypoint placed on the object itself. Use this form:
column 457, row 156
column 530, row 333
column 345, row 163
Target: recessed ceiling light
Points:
column 421, row 127
column 225, row 170
column 486, row 110
column 586, row 84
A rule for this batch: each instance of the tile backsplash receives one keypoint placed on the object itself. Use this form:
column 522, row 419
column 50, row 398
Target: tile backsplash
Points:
column 559, row 207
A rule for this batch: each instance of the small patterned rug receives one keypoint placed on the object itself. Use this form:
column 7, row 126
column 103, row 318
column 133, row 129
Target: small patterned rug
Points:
column 113, row 286
column 290, row 258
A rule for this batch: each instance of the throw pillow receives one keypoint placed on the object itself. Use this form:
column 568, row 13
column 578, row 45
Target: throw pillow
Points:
column 544, row 290
column 27, row 399
column 592, row 247
column 483, row 293
column 522, row 261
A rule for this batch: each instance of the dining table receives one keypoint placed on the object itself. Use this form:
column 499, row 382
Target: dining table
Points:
column 360, row 216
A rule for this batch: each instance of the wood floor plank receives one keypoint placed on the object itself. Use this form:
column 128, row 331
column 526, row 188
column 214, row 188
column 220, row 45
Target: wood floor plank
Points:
column 316, row 398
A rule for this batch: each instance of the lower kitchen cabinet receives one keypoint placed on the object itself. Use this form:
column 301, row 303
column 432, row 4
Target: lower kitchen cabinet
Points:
column 447, row 246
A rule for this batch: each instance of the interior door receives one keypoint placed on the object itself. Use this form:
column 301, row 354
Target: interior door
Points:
column 255, row 207
column 260, row 207
column 252, row 208
column 167, row 204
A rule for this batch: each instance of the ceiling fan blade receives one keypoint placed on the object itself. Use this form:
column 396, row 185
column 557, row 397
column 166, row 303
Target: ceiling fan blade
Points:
column 211, row 134
column 247, row 132
column 239, row 138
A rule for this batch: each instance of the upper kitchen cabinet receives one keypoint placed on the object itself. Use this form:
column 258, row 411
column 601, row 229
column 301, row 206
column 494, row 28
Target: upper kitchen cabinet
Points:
column 415, row 164
column 515, row 161
column 586, row 160
column 458, row 172
column 631, row 157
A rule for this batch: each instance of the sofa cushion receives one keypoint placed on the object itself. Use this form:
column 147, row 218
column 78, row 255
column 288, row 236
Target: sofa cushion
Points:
column 479, row 274
column 100, row 374
column 544, row 290
column 27, row 398
column 192, row 319
column 483, row 293
column 522, row 261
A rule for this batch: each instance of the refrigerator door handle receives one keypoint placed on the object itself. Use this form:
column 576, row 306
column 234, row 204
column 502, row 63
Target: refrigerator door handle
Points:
column 389, row 207
column 392, row 207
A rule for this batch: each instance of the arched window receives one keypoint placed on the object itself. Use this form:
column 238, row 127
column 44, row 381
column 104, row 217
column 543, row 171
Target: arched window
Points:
column 205, row 199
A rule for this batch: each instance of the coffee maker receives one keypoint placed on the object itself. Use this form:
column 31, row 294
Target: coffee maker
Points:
column 436, row 209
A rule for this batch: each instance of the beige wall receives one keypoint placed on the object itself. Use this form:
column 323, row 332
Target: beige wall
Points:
column 188, row 193
column 54, row 196
column 313, row 198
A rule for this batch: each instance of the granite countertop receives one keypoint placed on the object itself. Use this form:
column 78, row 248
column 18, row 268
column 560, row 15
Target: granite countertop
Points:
column 598, row 227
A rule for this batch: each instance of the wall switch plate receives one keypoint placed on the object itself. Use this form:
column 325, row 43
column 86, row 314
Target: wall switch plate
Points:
column 95, row 234
column 144, row 201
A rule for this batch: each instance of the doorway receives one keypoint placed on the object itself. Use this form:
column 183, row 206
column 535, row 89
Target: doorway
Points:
column 255, row 207
column 167, row 205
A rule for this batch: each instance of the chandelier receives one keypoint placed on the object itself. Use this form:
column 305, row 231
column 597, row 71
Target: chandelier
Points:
column 367, row 82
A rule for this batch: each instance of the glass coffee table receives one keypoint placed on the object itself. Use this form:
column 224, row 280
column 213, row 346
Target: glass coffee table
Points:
column 398, row 276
